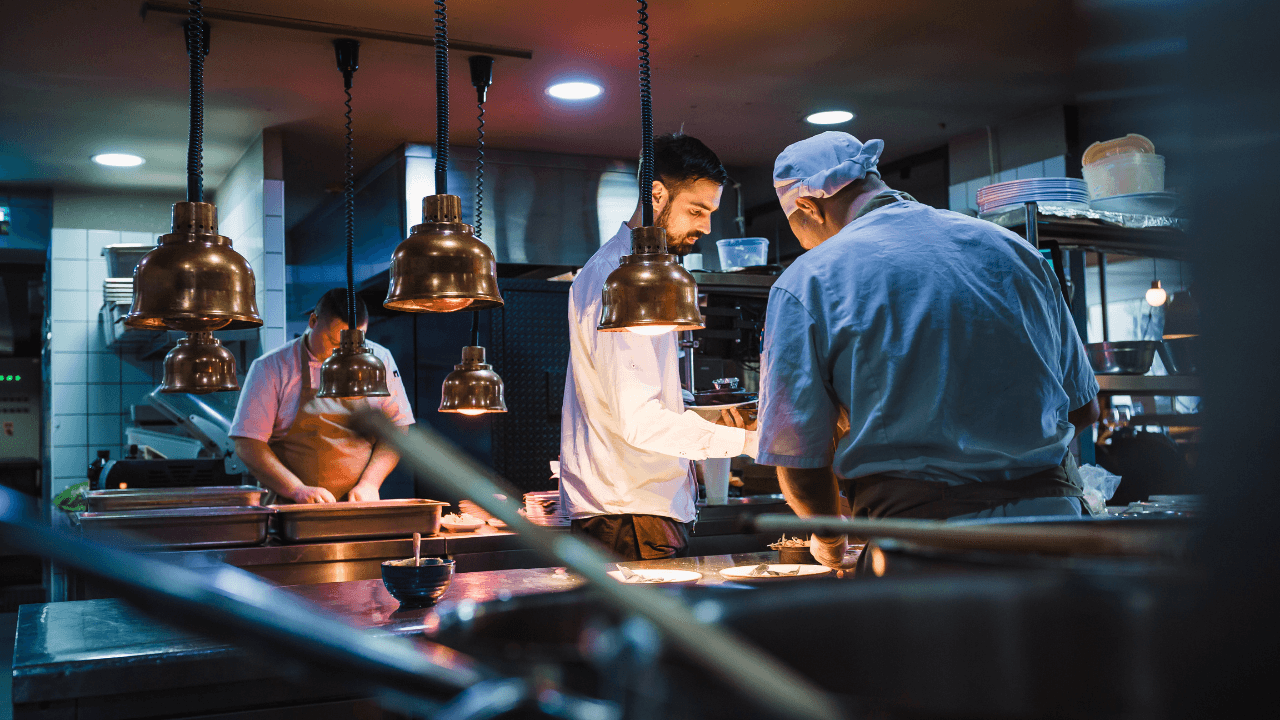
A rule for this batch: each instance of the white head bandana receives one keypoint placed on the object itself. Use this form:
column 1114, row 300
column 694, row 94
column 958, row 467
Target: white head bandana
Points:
column 822, row 165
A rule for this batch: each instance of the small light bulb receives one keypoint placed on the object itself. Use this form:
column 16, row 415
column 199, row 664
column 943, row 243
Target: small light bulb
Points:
column 652, row 329
column 1156, row 296
column 472, row 411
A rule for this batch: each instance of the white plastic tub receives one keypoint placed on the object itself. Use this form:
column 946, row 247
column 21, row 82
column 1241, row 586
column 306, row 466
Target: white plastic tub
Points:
column 1125, row 174
column 739, row 253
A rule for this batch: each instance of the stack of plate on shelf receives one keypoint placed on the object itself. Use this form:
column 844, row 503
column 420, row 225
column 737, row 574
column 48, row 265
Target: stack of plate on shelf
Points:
column 543, row 508
column 1058, row 192
column 118, row 291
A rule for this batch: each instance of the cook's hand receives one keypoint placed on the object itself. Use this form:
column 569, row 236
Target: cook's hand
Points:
column 308, row 494
column 363, row 493
column 733, row 418
column 829, row 551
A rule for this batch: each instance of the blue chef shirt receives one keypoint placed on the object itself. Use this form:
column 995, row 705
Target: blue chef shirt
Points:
column 944, row 336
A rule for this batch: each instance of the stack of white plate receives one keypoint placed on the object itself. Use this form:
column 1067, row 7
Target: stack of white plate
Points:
column 1059, row 192
column 543, row 508
column 118, row 291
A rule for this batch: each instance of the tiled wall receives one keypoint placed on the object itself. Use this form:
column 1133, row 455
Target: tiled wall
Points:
column 251, row 213
column 964, row 196
column 93, row 386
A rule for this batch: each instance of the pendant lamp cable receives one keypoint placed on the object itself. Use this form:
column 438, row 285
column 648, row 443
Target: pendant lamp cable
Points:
column 646, row 122
column 347, row 52
column 197, row 39
column 480, row 172
column 475, row 329
column 442, row 98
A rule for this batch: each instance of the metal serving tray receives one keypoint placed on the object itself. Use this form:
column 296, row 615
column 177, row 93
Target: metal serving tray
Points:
column 159, row 498
column 349, row 520
column 180, row 527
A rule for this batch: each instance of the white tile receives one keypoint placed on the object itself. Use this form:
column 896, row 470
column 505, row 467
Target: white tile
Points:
column 103, row 367
column 69, row 243
column 971, row 190
column 69, row 336
column 97, row 273
column 273, row 271
column 101, row 238
column 104, row 431
column 69, row 398
column 135, row 394
column 273, row 198
column 139, row 238
column 69, row 305
column 1056, row 166
column 955, row 198
column 273, row 310
column 1031, row 170
column 133, row 370
column 272, row 337
column 95, row 340
column 104, row 399
column 1007, row 175
column 69, row 462
column 70, row 431
column 273, row 234
column 68, row 367
column 68, row 274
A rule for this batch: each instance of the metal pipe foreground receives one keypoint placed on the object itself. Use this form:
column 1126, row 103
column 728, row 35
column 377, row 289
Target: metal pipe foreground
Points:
column 424, row 679
column 777, row 688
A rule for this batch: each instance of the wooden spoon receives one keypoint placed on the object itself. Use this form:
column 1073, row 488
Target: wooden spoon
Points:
column 417, row 549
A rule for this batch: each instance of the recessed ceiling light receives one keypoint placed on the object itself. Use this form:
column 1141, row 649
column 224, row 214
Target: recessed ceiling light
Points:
column 574, row 90
column 118, row 160
column 830, row 117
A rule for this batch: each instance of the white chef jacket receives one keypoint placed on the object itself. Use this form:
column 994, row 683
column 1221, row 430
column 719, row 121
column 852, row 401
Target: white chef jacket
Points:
column 946, row 338
column 269, row 399
column 626, row 441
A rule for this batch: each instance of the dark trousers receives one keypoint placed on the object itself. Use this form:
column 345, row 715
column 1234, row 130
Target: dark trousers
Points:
column 637, row 537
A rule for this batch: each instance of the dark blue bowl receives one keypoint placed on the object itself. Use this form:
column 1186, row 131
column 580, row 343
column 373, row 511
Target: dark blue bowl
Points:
column 419, row 586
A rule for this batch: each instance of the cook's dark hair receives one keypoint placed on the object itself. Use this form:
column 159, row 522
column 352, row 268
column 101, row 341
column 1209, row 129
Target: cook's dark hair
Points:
column 333, row 304
column 679, row 159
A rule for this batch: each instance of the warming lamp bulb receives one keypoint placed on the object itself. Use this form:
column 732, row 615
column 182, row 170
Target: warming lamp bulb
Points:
column 1156, row 296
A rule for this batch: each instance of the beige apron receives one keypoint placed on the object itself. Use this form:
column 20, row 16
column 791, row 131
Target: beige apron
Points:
column 320, row 447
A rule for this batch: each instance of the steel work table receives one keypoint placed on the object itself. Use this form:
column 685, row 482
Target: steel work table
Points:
column 104, row 659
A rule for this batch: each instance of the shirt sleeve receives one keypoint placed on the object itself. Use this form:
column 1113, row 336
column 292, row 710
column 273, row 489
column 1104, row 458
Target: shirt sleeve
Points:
column 397, row 407
column 1078, row 379
column 632, row 374
column 798, row 406
column 259, row 404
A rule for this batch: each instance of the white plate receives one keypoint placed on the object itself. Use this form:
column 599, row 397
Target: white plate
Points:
column 659, row 577
column 742, row 573
column 1151, row 203
column 468, row 524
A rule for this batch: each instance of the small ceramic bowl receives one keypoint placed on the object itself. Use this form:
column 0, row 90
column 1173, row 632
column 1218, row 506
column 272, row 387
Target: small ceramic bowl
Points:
column 796, row 555
column 419, row 586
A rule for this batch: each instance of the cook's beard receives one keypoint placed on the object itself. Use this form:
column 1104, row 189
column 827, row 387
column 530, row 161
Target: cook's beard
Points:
column 678, row 246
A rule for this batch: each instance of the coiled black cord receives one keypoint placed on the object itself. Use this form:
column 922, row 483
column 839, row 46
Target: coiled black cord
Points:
column 442, row 98
column 646, row 122
column 349, row 190
column 196, row 44
column 480, row 173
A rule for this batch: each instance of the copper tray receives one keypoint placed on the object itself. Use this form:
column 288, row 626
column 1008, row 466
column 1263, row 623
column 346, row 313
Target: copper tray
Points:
column 350, row 520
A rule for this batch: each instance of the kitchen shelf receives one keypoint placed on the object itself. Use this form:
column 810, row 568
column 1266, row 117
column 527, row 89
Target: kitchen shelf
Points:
column 1093, row 235
column 1148, row 385
column 150, row 344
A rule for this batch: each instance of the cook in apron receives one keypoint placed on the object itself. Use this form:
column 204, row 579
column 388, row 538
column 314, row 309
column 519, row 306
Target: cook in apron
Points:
column 320, row 447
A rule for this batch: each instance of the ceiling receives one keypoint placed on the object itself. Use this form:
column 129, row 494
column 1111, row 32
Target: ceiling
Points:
column 77, row 78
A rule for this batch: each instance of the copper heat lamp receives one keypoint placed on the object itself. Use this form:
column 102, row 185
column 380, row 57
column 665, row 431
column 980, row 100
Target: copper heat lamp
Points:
column 649, row 293
column 473, row 387
column 352, row 370
column 194, row 281
column 442, row 266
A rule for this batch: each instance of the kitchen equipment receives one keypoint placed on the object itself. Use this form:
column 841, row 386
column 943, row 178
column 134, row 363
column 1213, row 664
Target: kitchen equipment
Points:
column 770, row 572
column 180, row 527
column 417, row 549
column 715, row 477
column 797, row 555
column 1124, row 174
column 1064, row 192
column 655, row 576
column 725, row 392
column 543, row 508
column 181, row 473
column 1182, row 355
column 347, row 520
column 739, row 253
column 1131, row 143
column 122, row 259
column 160, row 498
column 417, row 584
column 1130, row 357
column 1139, row 203
column 20, row 408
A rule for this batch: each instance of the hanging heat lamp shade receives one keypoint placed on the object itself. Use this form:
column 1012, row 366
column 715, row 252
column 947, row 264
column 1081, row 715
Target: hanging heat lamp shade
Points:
column 473, row 388
column 193, row 281
column 199, row 365
column 352, row 370
column 442, row 266
column 649, row 293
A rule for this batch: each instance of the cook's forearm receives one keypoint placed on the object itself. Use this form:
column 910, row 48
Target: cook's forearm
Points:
column 810, row 491
column 381, row 462
column 266, row 467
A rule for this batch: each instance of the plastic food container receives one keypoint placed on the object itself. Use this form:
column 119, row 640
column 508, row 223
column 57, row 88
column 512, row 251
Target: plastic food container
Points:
column 1125, row 174
column 739, row 253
